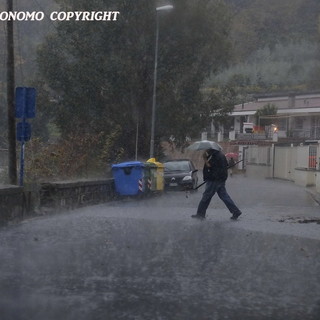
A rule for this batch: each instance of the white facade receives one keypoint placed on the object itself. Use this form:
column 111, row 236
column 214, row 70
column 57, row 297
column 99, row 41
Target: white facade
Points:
column 300, row 164
column 298, row 116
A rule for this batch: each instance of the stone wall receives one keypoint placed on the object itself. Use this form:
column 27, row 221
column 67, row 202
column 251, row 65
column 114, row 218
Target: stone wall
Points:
column 17, row 203
column 75, row 194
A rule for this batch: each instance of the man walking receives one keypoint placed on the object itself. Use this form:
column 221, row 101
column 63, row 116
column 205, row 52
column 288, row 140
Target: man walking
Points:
column 215, row 173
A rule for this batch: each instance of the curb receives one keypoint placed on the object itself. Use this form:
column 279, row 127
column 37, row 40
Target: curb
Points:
column 314, row 195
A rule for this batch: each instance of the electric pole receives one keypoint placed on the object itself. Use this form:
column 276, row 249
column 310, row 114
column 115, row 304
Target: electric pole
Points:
column 12, row 156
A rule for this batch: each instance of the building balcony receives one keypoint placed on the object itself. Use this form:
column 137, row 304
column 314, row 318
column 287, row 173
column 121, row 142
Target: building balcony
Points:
column 281, row 136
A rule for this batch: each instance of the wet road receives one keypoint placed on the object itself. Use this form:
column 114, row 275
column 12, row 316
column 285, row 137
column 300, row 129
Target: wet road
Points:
column 148, row 259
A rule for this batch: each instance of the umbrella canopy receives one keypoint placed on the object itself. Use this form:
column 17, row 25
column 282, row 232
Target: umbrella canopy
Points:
column 232, row 155
column 204, row 145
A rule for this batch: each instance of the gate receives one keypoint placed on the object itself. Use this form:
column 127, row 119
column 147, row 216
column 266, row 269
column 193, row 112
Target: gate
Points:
column 284, row 162
column 312, row 157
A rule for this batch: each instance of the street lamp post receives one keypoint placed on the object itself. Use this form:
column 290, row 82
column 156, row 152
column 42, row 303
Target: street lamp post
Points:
column 12, row 159
column 153, row 116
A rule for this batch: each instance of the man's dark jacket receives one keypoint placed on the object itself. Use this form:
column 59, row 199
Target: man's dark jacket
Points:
column 218, row 170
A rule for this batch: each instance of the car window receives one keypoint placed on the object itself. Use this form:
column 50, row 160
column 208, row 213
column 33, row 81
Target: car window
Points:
column 177, row 166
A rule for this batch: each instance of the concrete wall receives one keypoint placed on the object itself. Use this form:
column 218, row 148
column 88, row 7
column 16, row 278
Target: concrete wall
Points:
column 283, row 162
column 17, row 203
column 317, row 178
column 11, row 204
column 305, row 178
column 259, row 170
column 303, row 175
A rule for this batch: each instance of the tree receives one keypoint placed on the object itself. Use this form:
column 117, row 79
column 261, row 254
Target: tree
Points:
column 268, row 110
column 261, row 23
column 314, row 82
column 102, row 72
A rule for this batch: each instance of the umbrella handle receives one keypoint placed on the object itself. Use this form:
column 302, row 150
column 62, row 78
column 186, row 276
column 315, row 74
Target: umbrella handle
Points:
column 200, row 185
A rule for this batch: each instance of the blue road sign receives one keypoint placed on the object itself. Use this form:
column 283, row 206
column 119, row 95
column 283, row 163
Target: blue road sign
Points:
column 25, row 102
column 23, row 131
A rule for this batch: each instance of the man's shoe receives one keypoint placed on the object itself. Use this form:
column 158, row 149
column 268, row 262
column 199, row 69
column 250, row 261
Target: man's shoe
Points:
column 235, row 216
column 197, row 216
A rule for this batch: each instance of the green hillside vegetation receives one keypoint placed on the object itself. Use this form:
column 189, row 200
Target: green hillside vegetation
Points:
column 283, row 67
column 260, row 23
column 275, row 46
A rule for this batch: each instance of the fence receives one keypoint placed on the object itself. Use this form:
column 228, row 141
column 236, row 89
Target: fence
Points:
column 300, row 164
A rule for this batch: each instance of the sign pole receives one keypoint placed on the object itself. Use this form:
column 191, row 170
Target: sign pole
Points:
column 25, row 108
column 22, row 140
column 21, row 164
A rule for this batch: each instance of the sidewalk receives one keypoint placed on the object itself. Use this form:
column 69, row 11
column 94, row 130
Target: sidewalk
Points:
column 314, row 194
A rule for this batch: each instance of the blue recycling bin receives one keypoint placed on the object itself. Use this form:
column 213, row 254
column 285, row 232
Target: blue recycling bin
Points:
column 129, row 178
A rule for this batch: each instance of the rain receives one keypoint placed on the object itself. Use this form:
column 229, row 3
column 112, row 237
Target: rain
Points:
column 96, row 98
column 143, row 259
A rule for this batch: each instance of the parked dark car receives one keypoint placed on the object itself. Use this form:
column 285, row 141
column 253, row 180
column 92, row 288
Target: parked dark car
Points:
column 180, row 174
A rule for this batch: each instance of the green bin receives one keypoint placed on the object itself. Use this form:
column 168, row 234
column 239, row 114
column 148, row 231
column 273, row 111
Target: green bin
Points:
column 150, row 176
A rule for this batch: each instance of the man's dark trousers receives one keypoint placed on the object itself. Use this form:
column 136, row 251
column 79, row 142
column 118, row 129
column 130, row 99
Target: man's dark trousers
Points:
column 218, row 187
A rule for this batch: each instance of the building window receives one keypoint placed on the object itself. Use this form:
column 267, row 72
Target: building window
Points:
column 298, row 123
column 282, row 124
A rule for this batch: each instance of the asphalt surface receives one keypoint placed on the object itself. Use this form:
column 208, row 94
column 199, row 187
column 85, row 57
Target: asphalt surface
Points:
column 148, row 259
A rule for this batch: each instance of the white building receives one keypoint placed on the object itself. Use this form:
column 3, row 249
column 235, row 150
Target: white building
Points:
column 298, row 115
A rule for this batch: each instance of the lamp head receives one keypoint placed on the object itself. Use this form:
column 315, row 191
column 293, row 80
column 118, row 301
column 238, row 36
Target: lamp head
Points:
column 164, row 8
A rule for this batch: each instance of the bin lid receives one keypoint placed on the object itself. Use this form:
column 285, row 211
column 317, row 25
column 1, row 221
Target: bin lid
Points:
column 150, row 164
column 128, row 164
column 158, row 164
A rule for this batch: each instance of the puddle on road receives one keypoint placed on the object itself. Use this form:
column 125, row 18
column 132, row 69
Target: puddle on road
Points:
column 300, row 220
